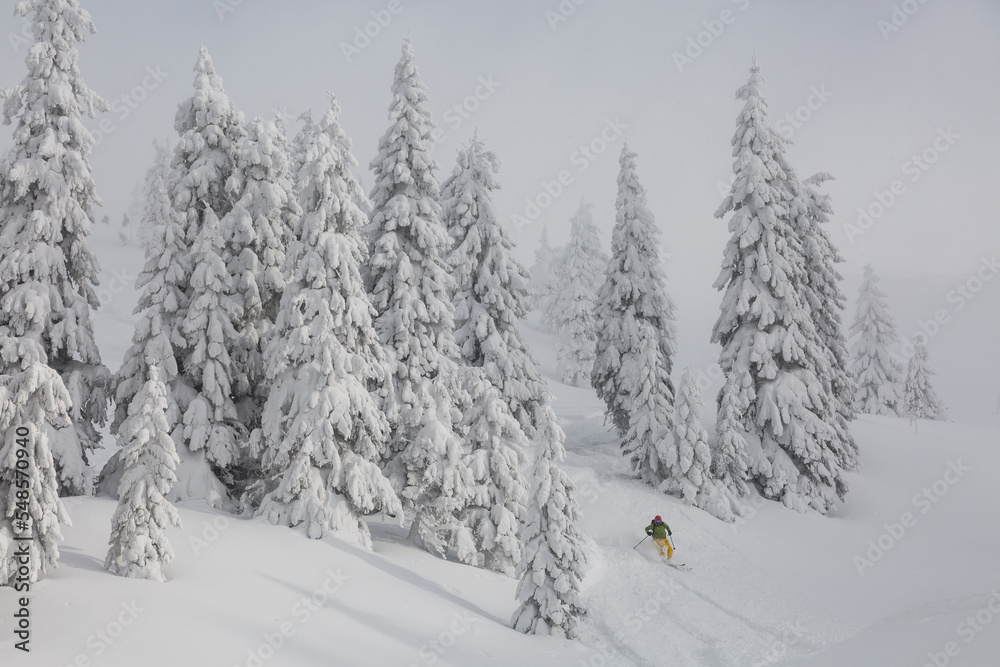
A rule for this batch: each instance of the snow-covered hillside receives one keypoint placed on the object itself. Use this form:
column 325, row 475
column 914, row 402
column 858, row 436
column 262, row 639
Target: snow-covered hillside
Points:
column 902, row 575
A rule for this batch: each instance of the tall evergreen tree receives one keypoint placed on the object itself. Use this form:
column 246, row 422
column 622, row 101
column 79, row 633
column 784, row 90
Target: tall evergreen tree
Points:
column 491, row 288
column 34, row 403
column 571, row 310
column 210, row 420
column 210, row 130
column 323, row 432
column 770, row 344
column 257, row 230
column 47, row 197
column 820, row 291
column 159, row 300
column 922, row 402
column 411, row 290
column 633, row 297
column 139, row 545
column 879, row 375
column 555, row 557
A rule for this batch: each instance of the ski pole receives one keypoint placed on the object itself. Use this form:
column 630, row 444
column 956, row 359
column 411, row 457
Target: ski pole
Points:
column 641, row 541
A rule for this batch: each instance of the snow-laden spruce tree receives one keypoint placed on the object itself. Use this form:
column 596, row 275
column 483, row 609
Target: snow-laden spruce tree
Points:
column 819, row 287
column 633, row 297
column 554, row 550
column 571, row 309
column 159, row 300
column 769, row 342
column 491, row 292
column 411, row 287
column 491, row 522
column 139, row 545
column 34, row 403
column 919, row 397
column 210, row 421
column 257, row 231
column 210, row 130
column 879, row 375
column 541, row 270
column 47, row 197
column 323, row 432
column 731, row 463
column 688, row 458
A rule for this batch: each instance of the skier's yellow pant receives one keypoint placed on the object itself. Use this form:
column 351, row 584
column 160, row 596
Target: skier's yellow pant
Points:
column 665, row 543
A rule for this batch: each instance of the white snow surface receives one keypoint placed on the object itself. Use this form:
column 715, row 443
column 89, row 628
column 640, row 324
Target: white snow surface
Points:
column 777, row 588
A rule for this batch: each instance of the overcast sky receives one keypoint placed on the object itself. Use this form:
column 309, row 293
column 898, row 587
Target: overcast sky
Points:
column 885, row 86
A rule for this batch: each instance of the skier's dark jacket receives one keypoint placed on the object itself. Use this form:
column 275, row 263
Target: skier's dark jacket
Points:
column 659, row 530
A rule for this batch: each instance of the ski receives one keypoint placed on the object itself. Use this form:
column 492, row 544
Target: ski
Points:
column 680, row 566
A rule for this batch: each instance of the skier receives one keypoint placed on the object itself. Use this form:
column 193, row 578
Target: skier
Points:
column 660, row 532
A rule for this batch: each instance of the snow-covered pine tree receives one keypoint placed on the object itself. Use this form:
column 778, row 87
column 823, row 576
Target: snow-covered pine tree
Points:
column 411, row 290
column 633, row 297
column 554, row 553
column 730, row 456
column 158, row 177
column 34, row 404
column 769, row 342
column 323, row 432
column 159, row 301
column 491, row 288
column 491, row 533
column 541, row 272
column 139, row 545
column 210, row 130
column 879, row 375
column 688, row 458
column 257, row 231
column 300, row 143
column 921, row 401
column 819, row 288
column 210, row 420
column 571, row 310
column 47, row 200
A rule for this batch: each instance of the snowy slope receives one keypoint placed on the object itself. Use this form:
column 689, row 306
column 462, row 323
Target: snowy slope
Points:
column 778, row 588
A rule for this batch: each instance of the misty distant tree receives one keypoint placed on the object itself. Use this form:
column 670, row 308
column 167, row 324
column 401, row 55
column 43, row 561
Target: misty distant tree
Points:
column 731, row 463
column 541, row 271
column 571, row 309
column 879, row 375
column 921, row 401
column 48, row 272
